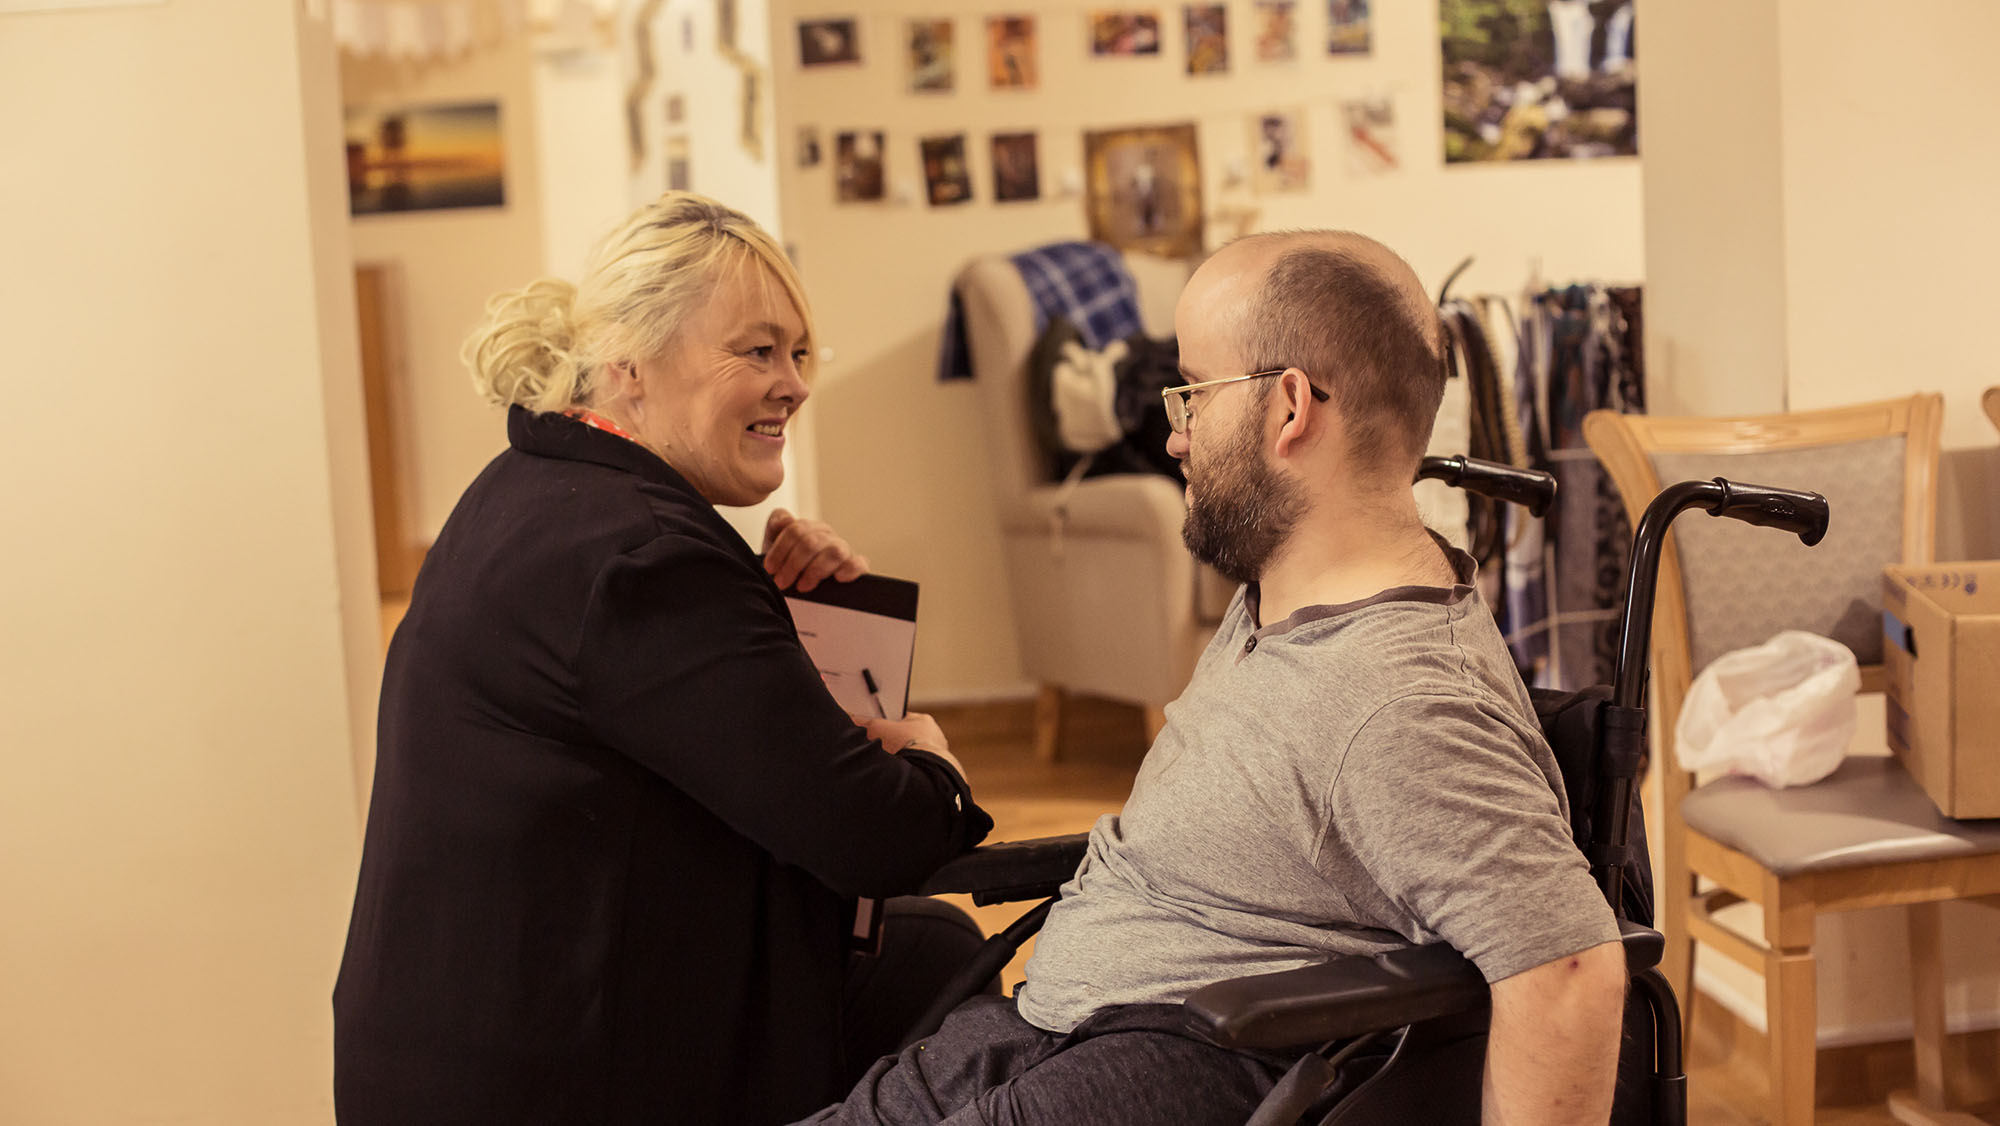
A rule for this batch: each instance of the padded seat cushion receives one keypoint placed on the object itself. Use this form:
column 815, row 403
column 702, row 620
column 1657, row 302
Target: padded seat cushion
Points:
column 1870, row 811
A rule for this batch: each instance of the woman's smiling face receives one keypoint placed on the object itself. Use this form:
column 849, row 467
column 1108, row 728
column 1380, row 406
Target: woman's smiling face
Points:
column 715, row 404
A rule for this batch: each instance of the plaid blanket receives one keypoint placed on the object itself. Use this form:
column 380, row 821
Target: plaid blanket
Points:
column 1085, row 282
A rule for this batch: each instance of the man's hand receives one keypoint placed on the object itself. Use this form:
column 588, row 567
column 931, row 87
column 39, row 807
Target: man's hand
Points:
column 1552, row 1054
column 916, row 730
column 804, row 553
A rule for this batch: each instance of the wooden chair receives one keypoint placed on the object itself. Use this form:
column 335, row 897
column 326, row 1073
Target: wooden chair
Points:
column 1868, row 836
column 1991, row 401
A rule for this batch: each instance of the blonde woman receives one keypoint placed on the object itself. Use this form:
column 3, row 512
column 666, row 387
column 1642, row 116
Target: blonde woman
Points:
column 618, row 823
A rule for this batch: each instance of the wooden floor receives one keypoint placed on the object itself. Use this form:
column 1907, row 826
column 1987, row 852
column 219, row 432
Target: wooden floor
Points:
column 1103, row 747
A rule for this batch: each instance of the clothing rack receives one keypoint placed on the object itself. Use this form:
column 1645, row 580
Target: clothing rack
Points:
column 1535, row 363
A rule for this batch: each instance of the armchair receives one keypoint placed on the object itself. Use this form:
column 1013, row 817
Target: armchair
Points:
column 1106, row 600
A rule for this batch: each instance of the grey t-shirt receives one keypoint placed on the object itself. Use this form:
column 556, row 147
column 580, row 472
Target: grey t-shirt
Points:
column 1351, row 780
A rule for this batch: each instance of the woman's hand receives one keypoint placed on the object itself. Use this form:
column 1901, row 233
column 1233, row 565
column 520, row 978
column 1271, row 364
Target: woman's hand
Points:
column 915, row 730
column 805, row 553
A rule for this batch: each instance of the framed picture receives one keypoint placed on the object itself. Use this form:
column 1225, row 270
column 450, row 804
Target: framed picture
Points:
column 1016, row 171
column 1277, row 25
column 1278, row 152
column 946, row 177
column 829, row 42
column 932, row 68
column 1144, row 189
column 1010, row 52
column 1207, row 39
column 425, row 158
column 1347, row 30
column 1538, row 82
column 1125, row 32
column 857, row 166
column 809, row 148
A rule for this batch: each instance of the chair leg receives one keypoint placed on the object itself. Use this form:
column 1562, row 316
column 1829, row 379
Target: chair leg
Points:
column 1048, row 722
column 1927, row 1002
column 1791, row 1017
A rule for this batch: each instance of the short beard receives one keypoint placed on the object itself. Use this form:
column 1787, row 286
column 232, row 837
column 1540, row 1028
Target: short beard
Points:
column 1240, row 509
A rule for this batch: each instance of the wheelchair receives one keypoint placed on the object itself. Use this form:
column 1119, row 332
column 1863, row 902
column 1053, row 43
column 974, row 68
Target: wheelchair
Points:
column 1401, row 1037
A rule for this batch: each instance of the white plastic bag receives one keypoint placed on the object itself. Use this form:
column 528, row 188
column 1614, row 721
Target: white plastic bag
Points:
column 1781, row 712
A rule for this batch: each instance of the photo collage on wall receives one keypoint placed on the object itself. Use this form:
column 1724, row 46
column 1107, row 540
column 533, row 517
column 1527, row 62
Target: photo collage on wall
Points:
column 1141, row 186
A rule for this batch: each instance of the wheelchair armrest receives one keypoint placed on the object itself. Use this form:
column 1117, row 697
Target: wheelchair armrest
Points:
column 1355, row 995
column 1011, row 870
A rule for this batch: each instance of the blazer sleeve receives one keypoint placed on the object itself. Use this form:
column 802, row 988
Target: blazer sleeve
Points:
column 687, row 663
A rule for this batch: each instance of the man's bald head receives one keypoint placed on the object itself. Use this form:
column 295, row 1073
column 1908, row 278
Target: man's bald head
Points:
column 1352, row 315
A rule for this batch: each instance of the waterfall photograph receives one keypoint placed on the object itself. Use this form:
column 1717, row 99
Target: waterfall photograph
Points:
column 1538, row 79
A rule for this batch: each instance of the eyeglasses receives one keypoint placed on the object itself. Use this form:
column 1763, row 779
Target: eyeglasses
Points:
column 1180, row 408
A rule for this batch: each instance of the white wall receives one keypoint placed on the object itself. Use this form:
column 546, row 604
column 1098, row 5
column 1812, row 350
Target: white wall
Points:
column 178, row 817
column 900, row 465
column 1817, row 233
column 449, row 263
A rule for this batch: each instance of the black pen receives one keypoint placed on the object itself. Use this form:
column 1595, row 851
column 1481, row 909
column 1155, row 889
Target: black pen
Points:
column 868, row 678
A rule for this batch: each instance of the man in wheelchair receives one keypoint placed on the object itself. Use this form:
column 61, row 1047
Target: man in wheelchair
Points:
column 1355, row 766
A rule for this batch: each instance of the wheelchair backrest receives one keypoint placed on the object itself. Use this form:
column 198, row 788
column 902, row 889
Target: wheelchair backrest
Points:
column 1571, row 723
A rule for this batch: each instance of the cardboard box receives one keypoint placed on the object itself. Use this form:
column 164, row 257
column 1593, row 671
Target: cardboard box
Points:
column 1941, row 656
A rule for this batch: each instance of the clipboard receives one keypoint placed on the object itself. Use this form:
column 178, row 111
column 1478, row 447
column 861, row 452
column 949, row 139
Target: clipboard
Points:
column 862, row 637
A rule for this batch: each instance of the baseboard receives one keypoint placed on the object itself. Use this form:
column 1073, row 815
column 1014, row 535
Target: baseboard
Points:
column 1093, row 729
column 1857, row 1073
column 1750, row 1012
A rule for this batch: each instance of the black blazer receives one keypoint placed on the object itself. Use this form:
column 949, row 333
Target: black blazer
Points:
column 617, row 818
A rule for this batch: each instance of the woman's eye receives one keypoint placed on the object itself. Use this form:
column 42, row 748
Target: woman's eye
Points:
column 800, row 357
column 763, row 352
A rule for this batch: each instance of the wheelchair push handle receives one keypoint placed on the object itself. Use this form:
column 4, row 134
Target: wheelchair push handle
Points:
column 1803, row 514
column 1800, row 513
column 1532, row 489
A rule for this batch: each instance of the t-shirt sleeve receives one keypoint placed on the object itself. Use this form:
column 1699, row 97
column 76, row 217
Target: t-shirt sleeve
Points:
column 688, row 665
column 1456, row 832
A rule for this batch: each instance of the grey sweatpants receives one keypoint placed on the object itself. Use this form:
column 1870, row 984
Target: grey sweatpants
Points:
column 1131, row 1065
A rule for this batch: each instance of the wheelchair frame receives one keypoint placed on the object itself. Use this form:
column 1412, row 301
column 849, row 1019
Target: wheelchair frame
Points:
column 1345, row 1001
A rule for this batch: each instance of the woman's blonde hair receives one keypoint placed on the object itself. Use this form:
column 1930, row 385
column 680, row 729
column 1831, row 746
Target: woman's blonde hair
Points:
column 541, row 347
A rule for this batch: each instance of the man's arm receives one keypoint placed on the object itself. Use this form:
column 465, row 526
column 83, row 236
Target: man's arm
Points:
column 1552, row 1056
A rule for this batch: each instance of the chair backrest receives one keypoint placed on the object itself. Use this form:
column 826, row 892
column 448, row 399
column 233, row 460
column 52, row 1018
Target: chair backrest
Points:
column 1725, row 585
column 1001, row 332
column 1991, row 401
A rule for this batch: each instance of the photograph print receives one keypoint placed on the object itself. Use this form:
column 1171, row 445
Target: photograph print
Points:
column 1207, row 39
column 1010, row 52
column 932, row 70
column 857, row 167
column 829, row 42
column 947, row 180
column 1016, row 171
column 1347, row 30
column 1541, row 80
column 1276, row 24
column 1125, row 31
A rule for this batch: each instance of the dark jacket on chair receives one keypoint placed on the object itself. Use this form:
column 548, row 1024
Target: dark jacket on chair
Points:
column 617, row 819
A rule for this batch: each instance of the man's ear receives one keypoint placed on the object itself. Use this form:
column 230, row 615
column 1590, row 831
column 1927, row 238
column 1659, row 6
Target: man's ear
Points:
column 1304, row 416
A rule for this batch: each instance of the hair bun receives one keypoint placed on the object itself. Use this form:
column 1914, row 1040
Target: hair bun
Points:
column 523, row 354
